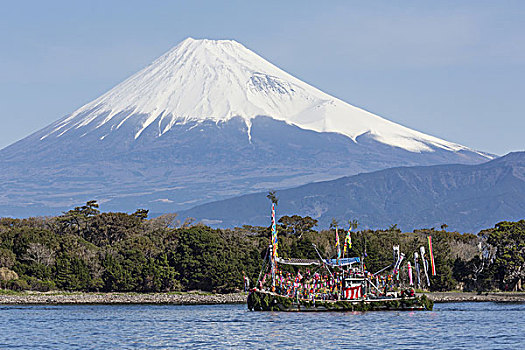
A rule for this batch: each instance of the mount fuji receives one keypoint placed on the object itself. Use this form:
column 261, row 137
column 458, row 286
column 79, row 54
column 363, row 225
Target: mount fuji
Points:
column 208, row 120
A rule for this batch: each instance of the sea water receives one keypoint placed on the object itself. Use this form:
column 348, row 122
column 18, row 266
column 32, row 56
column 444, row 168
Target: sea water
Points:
column 450, row 326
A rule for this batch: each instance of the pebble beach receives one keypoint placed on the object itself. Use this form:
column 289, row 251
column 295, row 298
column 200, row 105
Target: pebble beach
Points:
column 123, row 298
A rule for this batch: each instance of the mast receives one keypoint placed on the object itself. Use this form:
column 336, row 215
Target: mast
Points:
column 273, row 245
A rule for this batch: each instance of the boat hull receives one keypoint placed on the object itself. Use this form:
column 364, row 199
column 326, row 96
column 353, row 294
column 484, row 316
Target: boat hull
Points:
column 267, row 301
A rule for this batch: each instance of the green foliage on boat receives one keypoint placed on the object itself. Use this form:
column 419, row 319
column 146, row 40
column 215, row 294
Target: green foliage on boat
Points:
column 263, row 301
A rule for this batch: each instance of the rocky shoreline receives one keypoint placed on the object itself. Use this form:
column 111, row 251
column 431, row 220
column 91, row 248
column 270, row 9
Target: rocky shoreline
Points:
column 451, row 297
column 30, row 298
column 123, row 298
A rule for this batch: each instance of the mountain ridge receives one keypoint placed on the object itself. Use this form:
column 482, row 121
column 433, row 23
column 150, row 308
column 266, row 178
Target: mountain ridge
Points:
column 466, row 197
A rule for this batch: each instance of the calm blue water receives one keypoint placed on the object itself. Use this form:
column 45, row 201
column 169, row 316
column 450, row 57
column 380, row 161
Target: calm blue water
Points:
column 450, row 326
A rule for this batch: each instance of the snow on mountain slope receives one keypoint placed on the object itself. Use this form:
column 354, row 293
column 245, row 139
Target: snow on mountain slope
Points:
column 206, row 121
column 220, row 79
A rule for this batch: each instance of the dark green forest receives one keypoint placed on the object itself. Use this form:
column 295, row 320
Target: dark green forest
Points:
column 88, row 250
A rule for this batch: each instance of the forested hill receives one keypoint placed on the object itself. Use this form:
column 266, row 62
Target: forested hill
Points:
column 86, row 250
column 466, row 197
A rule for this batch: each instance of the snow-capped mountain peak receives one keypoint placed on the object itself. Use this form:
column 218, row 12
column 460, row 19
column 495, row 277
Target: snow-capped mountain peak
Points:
column 206, row 121
column 217, row 80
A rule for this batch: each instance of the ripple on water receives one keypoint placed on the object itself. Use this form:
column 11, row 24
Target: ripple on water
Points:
column 454, row 326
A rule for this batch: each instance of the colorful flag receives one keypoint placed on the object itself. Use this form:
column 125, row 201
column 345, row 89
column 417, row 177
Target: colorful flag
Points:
column 273, row 242
column 337, row 245
column 348, row 241
column 411, row 281
column 424, row 262
column 274, row 233
column 431, row 253
column 416, row 266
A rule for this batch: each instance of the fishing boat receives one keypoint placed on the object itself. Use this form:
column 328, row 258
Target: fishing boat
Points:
column 340, row 284
column 336, row 292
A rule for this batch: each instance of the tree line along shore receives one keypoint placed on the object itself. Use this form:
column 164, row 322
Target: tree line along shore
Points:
column 85, row 250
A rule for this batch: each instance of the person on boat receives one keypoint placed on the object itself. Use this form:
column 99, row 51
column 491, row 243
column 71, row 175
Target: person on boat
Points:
column 246, row 283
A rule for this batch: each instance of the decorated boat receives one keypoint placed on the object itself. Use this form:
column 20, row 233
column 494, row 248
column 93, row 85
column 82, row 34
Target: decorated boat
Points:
column 268, row 301
column 338, row 284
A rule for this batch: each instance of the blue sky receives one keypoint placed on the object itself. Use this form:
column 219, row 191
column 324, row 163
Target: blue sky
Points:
column 456, row 71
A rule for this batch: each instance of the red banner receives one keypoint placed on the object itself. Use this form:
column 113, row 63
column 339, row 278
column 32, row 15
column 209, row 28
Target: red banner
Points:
column 353, row 292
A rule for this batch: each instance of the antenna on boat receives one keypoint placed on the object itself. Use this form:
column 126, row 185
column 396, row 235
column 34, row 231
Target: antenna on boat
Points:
column 383, row 269
column 322, row 260
column 264, row 266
